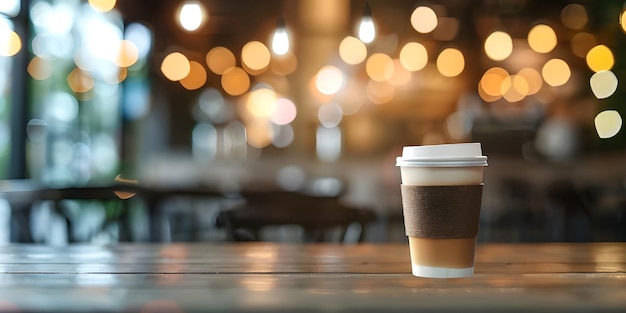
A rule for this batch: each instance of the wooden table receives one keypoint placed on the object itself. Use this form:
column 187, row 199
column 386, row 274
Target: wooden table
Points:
column 266, row 277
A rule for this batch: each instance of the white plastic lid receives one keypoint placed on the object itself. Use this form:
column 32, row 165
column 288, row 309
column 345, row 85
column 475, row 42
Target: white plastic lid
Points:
column 447, row 155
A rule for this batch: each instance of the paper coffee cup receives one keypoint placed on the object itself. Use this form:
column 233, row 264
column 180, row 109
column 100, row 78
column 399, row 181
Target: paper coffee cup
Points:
column 441, row 195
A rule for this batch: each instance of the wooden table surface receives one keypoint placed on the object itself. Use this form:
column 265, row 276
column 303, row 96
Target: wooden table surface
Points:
column 267, row 277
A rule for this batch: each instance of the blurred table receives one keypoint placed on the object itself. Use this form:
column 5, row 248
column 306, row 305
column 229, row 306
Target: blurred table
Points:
column 21, row 194
column 267, row 277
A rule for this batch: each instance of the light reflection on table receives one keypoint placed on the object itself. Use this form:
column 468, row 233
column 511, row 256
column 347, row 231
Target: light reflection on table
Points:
column 317, row 278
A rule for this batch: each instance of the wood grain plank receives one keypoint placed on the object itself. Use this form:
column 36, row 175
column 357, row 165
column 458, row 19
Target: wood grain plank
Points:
column 315, row 292
column 258, row 277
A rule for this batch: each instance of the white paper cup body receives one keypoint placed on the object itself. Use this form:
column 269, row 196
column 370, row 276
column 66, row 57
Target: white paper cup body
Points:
column 442, row 165
column 442, row 258
column 441, row 176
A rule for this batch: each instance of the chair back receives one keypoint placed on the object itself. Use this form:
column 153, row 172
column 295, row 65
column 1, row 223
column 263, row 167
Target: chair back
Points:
column 321, row 219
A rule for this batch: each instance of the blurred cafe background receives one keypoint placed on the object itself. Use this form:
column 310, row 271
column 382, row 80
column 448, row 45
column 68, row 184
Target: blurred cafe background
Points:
column 297, row 109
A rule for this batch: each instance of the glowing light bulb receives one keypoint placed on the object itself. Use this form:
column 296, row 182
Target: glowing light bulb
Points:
column 367, row 29
column 191, row 16
column 280, row 40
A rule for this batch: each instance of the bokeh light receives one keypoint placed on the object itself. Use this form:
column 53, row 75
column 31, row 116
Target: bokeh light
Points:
column 101, row 38
column 556, row 72
column 329, row 80
column 600, row 58
column 39, row 68
column 315, row 92
column 115, row 77
column 10, row 8
column 56, row 19
column 486, row 97
column 413, row 56
column 127, row 54
column 175, row 66
column 196, row 78
column 352, row 50
column 204, row 137
column 424, row 19
column 235, row 142
column 450, row 62
column 282, row 136
column 514, row 88
column 259, row 133
column 574, row 16
column 50, row 47
column 291, row 178
column 235, row 81
column 603, row 84
column 212, row 104
column 141, row 36
column 102, row 5
column 498, row 46
column 219, row 59
column 542, row 38
column 284, row 112
column 379, row 67
column 328, row 143
column 491, row 82
column 608, row 123
column 10, row 42
column 255, row 55
column 622, row 21
column 261, row 102
column 330, row 115
column 61, row 106
column 80, row 81
column 533, row 78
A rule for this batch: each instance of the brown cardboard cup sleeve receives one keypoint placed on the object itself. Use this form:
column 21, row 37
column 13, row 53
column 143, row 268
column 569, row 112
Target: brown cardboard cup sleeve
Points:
column 441, row 211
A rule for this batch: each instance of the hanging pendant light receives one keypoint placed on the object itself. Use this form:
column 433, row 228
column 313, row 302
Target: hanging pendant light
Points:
column 280, row 39
column 192, row 15
column 367, row 29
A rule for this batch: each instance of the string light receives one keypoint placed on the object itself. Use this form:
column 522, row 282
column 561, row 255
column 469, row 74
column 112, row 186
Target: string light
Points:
column 367, row 29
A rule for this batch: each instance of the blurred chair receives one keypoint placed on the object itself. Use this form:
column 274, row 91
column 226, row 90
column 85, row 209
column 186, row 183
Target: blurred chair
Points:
column 321, row 219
